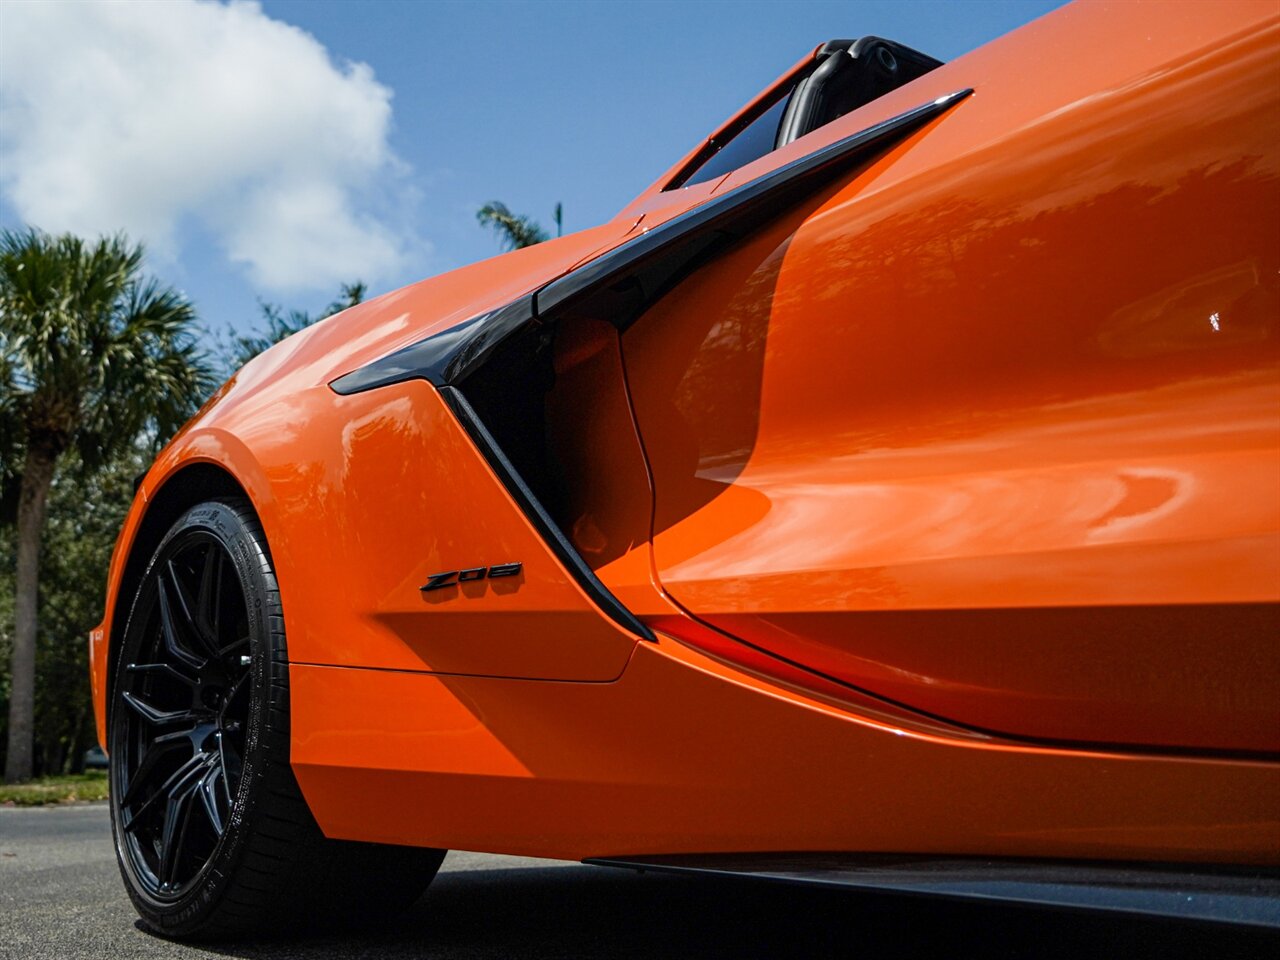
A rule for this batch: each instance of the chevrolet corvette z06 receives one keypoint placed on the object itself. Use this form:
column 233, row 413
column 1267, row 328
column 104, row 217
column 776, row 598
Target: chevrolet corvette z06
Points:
column 888, row 496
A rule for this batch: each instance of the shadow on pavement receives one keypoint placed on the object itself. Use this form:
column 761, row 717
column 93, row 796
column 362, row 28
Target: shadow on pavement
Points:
column 595, row 912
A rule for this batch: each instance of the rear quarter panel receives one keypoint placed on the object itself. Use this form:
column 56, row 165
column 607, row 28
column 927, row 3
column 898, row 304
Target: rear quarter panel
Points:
column 993, row 429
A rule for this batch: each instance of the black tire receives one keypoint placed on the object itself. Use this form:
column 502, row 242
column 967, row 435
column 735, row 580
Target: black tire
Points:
column 212, row 834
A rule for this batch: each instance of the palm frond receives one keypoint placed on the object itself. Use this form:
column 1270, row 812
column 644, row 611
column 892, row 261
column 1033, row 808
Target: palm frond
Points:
column 95, row 354
column 514, row 230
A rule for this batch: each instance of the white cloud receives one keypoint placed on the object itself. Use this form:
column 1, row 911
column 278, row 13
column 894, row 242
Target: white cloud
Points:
column 145, row 116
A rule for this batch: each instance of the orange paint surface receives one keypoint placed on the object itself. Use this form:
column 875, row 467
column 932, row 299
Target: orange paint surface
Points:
column 992, row 429
column 683, row 754
column 974, row 450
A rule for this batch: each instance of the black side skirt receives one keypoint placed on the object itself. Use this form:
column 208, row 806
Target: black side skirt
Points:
column 1236, row 895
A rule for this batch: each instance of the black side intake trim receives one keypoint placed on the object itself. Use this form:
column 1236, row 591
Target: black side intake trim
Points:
column 441, row 357
column 539, row 517
column 624, row 281
column 735, row 213
column 503, row 352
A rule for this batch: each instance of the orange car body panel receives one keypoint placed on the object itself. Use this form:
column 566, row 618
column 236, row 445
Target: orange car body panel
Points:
column 994, row 430
column 286, row 438
column 992, row 465
column 685, row 754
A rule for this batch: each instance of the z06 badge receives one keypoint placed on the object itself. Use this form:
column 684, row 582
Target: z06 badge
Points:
column 451, row 578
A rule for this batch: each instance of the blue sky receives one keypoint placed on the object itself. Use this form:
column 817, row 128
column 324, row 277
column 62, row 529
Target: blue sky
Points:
column 272, row 151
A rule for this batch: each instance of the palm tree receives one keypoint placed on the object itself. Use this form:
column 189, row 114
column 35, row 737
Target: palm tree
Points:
column 514, row 230
column 94, row 357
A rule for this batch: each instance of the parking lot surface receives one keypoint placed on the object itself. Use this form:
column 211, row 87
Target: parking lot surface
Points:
column 61, row 897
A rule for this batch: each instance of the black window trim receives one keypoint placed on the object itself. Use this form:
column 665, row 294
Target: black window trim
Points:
column 722, row 137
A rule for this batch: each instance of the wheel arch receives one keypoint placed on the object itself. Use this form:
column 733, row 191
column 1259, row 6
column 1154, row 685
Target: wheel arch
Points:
column 177, row 493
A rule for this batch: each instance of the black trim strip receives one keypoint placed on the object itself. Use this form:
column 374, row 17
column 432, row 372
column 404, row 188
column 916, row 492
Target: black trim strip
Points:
column 724, row 213
column 620, row 285
column 539, row 517
column 443, row 357
column 1236, row 895
column 640, row 269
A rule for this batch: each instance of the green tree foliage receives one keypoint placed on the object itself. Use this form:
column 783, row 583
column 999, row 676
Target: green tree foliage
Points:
column 85, row 512
column 514, row 230
column 281, row 324
column 97, row 358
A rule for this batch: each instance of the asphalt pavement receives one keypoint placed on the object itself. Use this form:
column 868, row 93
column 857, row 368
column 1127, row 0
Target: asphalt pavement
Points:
column 61, row 897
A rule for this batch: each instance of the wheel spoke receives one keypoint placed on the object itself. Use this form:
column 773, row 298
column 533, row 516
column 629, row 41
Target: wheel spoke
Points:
column 231, row 695
column 177, row 813
column 169, row 627
column 229, row 758
column 209, row 797
column 191, row 765
column 154, row 714
column 209, row 600
column 162, row 669
column 234, row 644
column 193, row 612
column 159, row 748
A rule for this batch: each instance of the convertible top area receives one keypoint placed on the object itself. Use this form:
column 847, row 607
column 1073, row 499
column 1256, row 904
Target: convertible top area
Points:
column 841, row 76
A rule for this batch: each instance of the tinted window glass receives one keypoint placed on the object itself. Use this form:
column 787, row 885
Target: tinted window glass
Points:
column 751, row 144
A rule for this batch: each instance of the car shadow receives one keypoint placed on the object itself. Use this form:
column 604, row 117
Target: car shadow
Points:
column 584, row 911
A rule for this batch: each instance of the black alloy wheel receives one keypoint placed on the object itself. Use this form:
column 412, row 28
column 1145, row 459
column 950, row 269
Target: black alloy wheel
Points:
column 212, row 833
column 185, row 699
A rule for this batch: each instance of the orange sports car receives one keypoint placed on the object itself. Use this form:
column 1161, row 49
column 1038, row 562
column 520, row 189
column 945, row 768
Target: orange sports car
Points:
column 889, row 496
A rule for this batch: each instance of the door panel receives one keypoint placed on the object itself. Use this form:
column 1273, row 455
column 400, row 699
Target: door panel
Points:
column 992, row 429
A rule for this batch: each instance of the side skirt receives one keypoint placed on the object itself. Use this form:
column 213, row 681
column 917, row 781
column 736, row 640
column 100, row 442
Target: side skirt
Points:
column 1242, row 896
